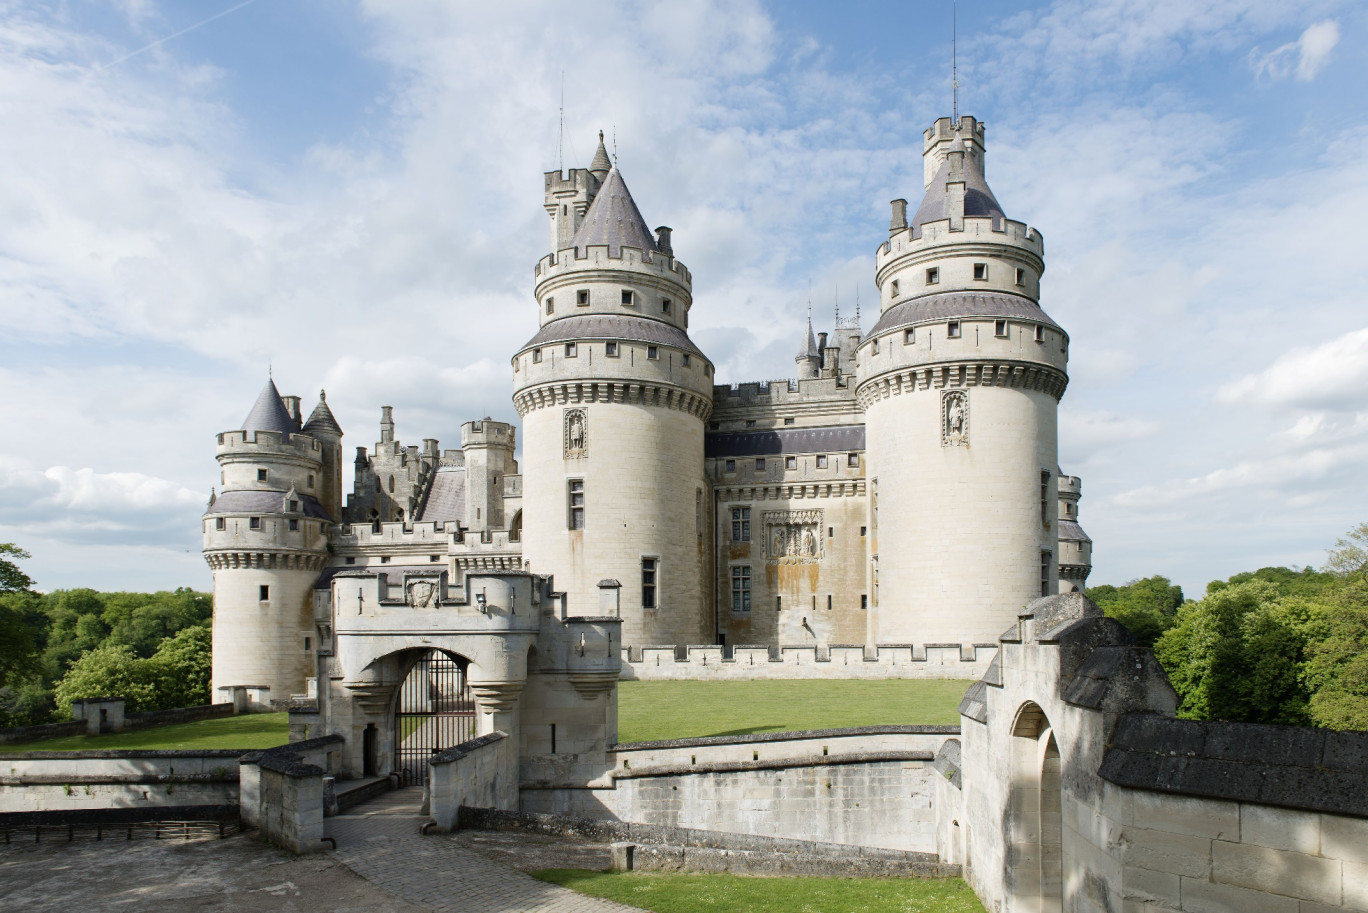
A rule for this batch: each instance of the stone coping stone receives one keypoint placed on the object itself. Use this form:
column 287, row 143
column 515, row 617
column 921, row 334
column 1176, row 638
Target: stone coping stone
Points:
column 947, row 762
column 290, row 766
column 457, row 752
column 127, row 754
column 291, row 748
column 609, row 831
column 795, row 735
column 709, row 767
column 96, row 700
column 591, row 619
column 120, row 815
column 1287, row 766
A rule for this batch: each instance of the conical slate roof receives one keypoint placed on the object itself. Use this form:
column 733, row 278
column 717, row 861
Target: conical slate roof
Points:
column 601, row 164
column 809, row 349
column 321, row 419
column 613, row 219
column 269, row 413
column 978, row 199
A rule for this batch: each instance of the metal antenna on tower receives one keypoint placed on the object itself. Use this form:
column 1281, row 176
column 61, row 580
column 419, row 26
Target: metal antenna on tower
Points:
column 614, row 145
column 838, row 305
column 560, row 145
column 857, row 302
column 954, row 61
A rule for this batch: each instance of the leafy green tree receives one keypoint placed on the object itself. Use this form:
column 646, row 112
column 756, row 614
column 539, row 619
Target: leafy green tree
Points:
column 181, row 668
column 1305, row 582
column 12, row 579
column 1336, row 670
column 1147, row 607
column 113, row 670
column 1349, row 557
column 144, row 620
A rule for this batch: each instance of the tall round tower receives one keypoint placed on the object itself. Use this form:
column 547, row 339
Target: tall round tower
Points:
column 960, row 381
column 265, row 536
column 614, row 398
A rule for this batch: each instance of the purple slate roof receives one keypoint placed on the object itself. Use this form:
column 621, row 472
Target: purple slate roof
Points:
column 613, row 219
column 269, row 413
column 1068, row 529
column 950, row 305
column 263, row 502
column 978, row 199
column 446, row 498
column 837, row 439
column 612, row 326
column 321, row 419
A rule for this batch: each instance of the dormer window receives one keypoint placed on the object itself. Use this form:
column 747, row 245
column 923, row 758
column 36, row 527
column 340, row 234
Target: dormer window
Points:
column 981, row 272
column 294, row 506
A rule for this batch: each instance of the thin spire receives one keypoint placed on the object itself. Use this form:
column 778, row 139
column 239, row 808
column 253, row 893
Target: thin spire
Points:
column 954, row 61
column 838, row 304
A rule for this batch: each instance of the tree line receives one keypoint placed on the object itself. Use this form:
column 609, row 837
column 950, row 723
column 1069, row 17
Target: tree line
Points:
column 153, row 649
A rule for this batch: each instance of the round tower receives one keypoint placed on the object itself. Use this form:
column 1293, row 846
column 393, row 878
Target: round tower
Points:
column 614, row 399
column 1075, row 546
column 960, row 381
column 265, row 536
column 809, row 359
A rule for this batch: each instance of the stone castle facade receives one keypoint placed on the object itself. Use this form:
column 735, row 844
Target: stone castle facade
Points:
column 903, row 489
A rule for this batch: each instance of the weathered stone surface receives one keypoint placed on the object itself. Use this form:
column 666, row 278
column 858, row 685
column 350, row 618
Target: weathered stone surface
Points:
column 1276, row 871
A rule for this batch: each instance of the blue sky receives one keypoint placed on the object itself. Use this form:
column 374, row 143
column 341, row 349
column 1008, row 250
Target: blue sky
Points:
column 351, row 192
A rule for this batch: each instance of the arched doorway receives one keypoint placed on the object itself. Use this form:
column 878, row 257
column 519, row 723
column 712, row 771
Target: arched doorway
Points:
column 433, row 711
column 1035, row 858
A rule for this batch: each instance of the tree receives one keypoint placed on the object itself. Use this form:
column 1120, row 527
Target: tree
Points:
column 11, row 578
column 1349, row 557
column 1147, row 607
column 113, row 670
column 180, row 669
column 1336, row 670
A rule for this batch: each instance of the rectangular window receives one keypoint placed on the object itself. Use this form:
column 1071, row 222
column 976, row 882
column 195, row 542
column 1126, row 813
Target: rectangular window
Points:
column 876, row 347
column 220, row 523
column 831, row 532
column 750, row 423
column 649, row 568
column 740, row 524
column 575, row 498
column 741, row 591
column 582, row 297
column 665, row 305
column 821, row 461
column 294, row 506
column 570, row 350
column 550, row 305
column 999, row 328
column 932, row 276
column 610, row 349
column 981, row 271
column 828, row 602
column 684, row 359
column 384, row 559
column 790, row 462
column 893, row 288
column 308, row 644
column 263, row 592
column 1040, row 333
column 864, row 600
column 652, row 352
column 953, row 329
column 731, row 466
column 627, row 298
column 1020, row 276
column 864, row 530
column 434, row 557
column 311, row 481
column 261, row 475
column 1045, row 573
column 294, row 525
column 254, row 523
column 1045, row 498
column 853, row 460
column 351, row 560
column 760, row 464
column 788, row 421
column 536, row 356
column 909, row 336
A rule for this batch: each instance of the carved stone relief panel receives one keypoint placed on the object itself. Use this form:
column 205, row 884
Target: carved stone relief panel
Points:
column 576, row 434
column 793, row 536
column 955, row 418
column 422, row 593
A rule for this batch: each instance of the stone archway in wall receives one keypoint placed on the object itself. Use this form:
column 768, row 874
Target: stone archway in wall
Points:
column 1035, row 852
column 433, row 710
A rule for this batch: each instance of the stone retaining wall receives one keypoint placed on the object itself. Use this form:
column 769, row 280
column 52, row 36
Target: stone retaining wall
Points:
column 55, row 781
column 887, row 661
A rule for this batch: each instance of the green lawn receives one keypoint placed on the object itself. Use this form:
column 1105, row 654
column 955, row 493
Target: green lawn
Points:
column 677, row 710
column 256, row 730
column 742, row 894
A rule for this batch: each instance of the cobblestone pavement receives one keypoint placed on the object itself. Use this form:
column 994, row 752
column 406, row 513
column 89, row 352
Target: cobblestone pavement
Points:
column 380, row 841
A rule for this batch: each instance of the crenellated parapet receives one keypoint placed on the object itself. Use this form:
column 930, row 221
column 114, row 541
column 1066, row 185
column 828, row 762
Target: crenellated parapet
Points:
column 255, row 445
column 263, row 560
column 655, row 395
column 903, row 263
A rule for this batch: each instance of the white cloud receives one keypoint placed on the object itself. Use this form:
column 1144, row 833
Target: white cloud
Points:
column 1332, row 375
column 1303, row 58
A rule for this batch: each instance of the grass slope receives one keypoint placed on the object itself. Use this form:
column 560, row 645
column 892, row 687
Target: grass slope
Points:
column 741, row 894
column 257, row 730
column 677, row 710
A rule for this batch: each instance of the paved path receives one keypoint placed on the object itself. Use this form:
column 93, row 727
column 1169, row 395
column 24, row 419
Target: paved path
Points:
column 379, row 840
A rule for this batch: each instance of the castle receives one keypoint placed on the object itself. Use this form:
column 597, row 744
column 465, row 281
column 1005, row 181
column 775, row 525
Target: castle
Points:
column 903, row 489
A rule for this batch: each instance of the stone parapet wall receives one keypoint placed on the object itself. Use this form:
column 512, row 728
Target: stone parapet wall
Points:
column 20, row 734
column 767, row 749
column 60, row 780
column 887, row 661
column 481, row 773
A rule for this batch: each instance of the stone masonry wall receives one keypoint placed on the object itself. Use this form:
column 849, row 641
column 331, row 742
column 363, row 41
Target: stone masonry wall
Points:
column 708, row 663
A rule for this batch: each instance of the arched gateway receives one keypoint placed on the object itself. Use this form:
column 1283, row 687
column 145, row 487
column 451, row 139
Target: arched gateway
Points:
column 433, row 710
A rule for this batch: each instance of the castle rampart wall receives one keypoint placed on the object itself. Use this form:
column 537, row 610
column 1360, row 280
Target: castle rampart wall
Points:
column 835, row 662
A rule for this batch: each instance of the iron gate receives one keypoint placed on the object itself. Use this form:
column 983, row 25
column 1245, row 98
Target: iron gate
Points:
column 435, row 711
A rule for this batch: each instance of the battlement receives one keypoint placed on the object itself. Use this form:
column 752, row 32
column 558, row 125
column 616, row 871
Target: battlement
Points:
column 1070, row 485
column 940, row 137
column 397, row 533
column 259, row 444
column 595, row 257
column 781, row 392
column 488, row 432
column 933, row 236
column 811, row 661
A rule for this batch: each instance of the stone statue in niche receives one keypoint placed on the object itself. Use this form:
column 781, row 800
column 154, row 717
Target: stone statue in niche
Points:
column 421, row 594
column 576, row 433
column 955, row 418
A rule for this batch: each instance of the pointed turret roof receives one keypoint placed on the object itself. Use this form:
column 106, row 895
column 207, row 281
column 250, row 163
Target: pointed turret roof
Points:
column 269, row 413
column 613, row 219
column 321, row 419
column 601, row 164
column 809, row 349
column 978, row 198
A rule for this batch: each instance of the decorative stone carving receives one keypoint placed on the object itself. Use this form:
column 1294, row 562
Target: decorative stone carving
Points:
column 792, row 536
column 576, row 434
column 955, row 418
column 422, row 593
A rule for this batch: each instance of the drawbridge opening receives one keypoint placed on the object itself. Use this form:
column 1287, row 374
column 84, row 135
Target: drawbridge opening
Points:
column 435, row 711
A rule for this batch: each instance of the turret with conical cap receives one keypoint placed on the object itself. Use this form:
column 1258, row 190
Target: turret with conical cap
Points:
column 614, row 398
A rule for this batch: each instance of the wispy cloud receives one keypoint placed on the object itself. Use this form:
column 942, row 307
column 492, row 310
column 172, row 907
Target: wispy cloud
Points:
column 1303, row 58
column 1332, row 375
